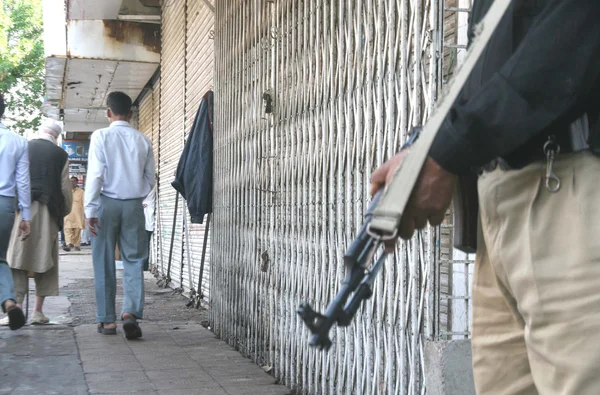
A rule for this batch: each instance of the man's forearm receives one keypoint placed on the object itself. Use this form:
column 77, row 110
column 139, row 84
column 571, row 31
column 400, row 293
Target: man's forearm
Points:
column 92, row 198
column 24, row 186
column 91, row 207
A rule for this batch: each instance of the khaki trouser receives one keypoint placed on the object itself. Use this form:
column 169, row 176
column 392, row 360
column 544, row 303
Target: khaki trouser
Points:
column 73, row 236
column 536, row 297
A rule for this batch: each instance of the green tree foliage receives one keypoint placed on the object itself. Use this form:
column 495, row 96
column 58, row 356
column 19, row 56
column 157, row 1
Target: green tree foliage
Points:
column 22, row 62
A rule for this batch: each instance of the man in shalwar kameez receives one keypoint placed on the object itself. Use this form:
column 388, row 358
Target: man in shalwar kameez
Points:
column 75, row 221
column 51, row 200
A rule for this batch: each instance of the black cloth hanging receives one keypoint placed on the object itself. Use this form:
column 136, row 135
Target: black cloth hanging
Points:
column 194, row 176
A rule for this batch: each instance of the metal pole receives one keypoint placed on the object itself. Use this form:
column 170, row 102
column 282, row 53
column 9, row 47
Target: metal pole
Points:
column 203, row 259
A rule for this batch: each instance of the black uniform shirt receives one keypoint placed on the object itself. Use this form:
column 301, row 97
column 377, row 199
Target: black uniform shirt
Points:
column 539, row 73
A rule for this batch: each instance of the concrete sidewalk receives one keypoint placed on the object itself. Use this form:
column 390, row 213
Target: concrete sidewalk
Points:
column 174, row 356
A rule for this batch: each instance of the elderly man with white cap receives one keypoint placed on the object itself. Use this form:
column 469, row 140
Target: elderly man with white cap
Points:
column 51, row 200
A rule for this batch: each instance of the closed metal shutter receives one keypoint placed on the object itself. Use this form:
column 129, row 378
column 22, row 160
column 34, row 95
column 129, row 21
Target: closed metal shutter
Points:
column 156, row 239
column 156, row 118
column 348, row 79
column 199, row 79
column 172, row 124
column 145, row 114
column 135, row 118
column 144, row 125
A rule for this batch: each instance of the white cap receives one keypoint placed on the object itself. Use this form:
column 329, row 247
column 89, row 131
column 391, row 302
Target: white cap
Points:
column 51, row 127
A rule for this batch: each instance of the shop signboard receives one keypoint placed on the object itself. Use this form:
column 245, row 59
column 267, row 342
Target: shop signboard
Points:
column 77, row 150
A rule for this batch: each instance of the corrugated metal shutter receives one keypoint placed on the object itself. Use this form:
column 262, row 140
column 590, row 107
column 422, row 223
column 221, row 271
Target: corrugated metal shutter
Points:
column 348, row 80
column 199, row 78
column 156, row 118
column 156, row 240
column 144, row 125
column 145, row 115
column 172, row 119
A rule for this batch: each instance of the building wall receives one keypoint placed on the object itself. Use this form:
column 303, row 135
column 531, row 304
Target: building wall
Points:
column 199, row 64
column 310, row 97
column 168, row 113
column 345, row 81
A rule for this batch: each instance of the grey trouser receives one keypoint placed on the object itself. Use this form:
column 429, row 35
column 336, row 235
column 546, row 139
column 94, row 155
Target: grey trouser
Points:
column 122, row 222
column 7, row 218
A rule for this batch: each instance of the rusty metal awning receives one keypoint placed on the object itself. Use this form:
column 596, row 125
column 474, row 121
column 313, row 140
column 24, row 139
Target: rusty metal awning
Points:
column 100, row 56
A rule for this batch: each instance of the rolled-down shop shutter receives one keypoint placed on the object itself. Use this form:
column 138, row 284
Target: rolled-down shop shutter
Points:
column 145, row 114
column 199, row 78
column 172, row 122
column 144, row 125
column 135, row 118
column 156, row 245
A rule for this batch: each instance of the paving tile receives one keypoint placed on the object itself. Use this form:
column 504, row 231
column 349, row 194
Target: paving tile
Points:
column 87, row 354
column 195, row 391
column 50, row 374
column 157, row 352
column 136, row 392
column 100, row 342
column 156, row 338
column 27, row 390
column 118, row 382
column 220, row 368
column 107, row 359
column 159, row 374
column 209, row 355
column 262, row 390
column 57, row 342
column 104, row 349
column 92, row 378
column 86, row 330
column 173, row 358
column 128, row 366
column 171, row 362
column 189, row 383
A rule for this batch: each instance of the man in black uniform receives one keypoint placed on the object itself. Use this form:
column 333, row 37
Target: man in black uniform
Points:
column 526, row 120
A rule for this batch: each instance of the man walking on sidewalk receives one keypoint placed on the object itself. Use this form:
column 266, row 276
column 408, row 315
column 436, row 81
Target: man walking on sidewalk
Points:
column 50, row 200
column 75, row 221
column 121, row 173
column 14, row 181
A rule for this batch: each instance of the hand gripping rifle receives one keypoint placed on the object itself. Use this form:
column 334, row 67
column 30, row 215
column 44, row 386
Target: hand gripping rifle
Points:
column 385, row 211
column 359, row 277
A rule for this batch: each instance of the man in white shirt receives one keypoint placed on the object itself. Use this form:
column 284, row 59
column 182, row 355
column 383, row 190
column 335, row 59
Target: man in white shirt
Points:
column 14, row 187
column 148, row 205
column 121, row 173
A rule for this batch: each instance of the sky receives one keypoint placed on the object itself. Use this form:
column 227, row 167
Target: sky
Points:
column 55, row 32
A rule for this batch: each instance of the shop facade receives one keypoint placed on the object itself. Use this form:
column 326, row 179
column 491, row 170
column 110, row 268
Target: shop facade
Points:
column 310, row 97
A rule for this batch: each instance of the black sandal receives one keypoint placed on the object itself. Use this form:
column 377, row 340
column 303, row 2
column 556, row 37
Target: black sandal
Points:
column 16, row 318
column 106, row 331
column 132, row 329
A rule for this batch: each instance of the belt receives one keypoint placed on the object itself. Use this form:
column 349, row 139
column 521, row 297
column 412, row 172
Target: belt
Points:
column 505, row 166
column 574, row 141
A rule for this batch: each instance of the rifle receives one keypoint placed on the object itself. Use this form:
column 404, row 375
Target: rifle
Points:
column 385, row 211
column 359, row 277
